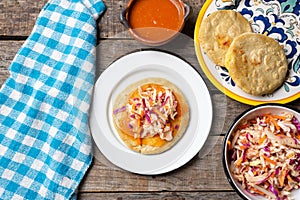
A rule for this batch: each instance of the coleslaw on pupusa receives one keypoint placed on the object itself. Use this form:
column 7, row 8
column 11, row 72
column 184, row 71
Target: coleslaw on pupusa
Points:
column 264, row 155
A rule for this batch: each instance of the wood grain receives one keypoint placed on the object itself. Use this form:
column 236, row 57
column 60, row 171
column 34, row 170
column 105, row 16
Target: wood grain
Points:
column 161, row 195
column 203, row 173
column 17, row 17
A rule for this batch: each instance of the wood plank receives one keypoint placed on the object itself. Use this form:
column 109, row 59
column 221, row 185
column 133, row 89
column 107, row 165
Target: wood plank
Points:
column 17, row 17
column 8, row 51
column 161, row 195
column 203, row 173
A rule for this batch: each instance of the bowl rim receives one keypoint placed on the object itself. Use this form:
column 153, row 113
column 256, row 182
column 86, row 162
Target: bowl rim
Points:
column 227, row 134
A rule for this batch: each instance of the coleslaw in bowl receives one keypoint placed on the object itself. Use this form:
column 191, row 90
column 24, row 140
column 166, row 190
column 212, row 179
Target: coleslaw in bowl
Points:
column 261, row 153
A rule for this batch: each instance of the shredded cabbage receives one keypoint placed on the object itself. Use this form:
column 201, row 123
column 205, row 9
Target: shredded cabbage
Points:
column 264, row 155
column 151, row 111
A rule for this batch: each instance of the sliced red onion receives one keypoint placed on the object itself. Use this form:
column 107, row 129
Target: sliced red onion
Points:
column 138, row 104
column 247, row 137
column 129, row 125
column 148, row 118
column 253, row 169
column 297, row 179
column 295, row 141
column 292, row 161
column 244, row 155
column 132, row 116
column 136, row 99
column 175, row 103
column 144, row 102
column 266, row 149
column 247, row 144
column 272, row 189
column 176, row 126
column 262, row 124
column 297, row 168
column 296, row 122
column 119, row 110
column 277, row 171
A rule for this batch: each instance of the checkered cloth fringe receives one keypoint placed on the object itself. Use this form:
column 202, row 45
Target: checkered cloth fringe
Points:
column 45, row 146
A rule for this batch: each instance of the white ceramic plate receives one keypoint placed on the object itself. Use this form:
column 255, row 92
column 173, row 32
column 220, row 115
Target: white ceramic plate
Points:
column 275, row 18
column 134, row 67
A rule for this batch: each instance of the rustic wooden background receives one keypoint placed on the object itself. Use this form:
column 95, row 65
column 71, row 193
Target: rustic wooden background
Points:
column 202, row 177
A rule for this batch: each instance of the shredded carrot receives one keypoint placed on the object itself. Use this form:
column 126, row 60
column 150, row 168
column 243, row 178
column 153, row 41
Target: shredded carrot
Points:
column 151, row 102
column 272, row 118
column 138, row 123
column 255, row 173
column 289, row 178
column 243, row 147
column 275, row 123
column 279, row 117
column 239, row 161
column 257, row 191
column 292, row 135
column 282, row 177
column 290, row 155
column 267, row 119
column 229, row 144
column 272, row 175
column 262, row 139
column 244, row 142
column 265, row 169
column 269, row 160
column 243, row 126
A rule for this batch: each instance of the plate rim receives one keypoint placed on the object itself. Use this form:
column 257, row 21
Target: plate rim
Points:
column 180, row 158
column 215, row 82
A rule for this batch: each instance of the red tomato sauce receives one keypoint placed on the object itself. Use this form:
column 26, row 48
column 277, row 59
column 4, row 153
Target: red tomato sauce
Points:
column 156, row 19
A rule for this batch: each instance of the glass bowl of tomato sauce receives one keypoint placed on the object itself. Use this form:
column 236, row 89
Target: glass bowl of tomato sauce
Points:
column 155, row 22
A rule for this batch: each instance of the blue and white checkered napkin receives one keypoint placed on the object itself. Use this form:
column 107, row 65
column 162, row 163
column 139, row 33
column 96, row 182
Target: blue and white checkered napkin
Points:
column 45, row 146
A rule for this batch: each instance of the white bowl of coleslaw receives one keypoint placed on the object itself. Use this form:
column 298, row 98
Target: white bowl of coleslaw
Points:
column 261, row 153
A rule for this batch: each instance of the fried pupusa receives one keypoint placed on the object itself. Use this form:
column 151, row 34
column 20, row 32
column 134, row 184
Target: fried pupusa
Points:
column 256, row 63
column 217, row 32
column 151, row 115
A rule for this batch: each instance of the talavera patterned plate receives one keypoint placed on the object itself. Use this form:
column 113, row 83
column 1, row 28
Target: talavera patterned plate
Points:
column 279, row 19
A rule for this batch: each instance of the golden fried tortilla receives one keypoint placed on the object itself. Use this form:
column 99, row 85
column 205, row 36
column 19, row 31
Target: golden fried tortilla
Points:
column 256, row 63
column 217, row 32
column 151, row 115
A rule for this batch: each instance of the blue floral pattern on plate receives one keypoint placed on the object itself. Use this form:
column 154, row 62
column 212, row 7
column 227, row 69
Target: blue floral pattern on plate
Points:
column 279, row 19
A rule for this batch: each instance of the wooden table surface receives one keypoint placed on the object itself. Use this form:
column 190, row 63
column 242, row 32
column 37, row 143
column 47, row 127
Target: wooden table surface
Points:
column 202, row 177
